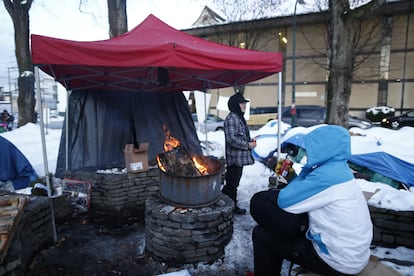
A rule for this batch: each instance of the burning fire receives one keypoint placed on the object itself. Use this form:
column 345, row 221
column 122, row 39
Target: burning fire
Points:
column 160, row 165
column 171, row 143
column 203, row 169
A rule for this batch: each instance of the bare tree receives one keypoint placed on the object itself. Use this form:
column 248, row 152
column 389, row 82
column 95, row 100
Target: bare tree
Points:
column 350, row 41
column 117, row 17
column 248, row 34
column 365, row 38
column 342, row 55
column 19, row 13
column 352, row 36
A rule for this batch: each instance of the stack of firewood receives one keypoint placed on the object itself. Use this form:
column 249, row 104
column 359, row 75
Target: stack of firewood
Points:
column 11, row 210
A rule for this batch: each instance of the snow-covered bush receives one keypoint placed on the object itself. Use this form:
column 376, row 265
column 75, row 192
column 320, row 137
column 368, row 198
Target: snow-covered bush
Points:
column 377, row 113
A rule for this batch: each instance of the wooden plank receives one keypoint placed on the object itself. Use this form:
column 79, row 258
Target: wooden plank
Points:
column 7, row 211
column 4, row 243
column 8, row 202
column 11, row 210
column 5, row 227
column 6, row 223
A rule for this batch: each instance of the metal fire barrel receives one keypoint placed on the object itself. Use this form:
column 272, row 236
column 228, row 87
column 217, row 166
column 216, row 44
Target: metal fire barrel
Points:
column 191, row 191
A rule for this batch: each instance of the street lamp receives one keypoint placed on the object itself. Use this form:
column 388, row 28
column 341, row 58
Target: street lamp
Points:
column 293, row 107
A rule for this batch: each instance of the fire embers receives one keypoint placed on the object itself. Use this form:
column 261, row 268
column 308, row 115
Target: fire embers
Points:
column 176, row 160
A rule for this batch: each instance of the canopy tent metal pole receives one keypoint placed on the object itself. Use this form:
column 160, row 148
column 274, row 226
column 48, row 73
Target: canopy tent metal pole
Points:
column 279, row 118
column 67, row 130
column 205, row 118
column 45, row 162
column 279, row 115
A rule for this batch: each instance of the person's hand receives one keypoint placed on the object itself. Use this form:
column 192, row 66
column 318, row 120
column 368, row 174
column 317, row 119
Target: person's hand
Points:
column 291, row 172
column 252, row 144
column 281, row 179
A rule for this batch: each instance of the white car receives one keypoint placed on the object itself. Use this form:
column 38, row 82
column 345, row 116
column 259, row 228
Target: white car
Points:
column 212, row 123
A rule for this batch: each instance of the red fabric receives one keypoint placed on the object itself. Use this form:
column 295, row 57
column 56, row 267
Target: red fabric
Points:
column 132, row 61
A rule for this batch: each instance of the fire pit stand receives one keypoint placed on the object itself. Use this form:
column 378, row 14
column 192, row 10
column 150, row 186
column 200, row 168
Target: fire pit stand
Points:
column 185, row 236
column 191, row 191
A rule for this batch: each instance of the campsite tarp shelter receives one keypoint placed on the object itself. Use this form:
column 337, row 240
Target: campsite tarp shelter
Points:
column 106, row 111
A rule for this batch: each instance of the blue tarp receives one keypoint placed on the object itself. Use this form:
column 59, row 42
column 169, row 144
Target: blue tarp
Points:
column 14, row 166
column 379, row 162
column 387, row 165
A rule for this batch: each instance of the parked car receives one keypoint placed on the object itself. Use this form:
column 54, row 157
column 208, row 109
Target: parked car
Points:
column 212, row 123
column 396, row 122
column 310, row 115
column 261, row 115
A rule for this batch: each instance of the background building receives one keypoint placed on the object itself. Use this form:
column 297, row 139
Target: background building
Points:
column 384, row 74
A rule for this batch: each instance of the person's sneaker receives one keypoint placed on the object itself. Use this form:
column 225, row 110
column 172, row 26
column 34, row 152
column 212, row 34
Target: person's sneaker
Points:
column 239, row 211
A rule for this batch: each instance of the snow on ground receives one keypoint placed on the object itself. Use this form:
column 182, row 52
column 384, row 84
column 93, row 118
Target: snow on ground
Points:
column 239, row 252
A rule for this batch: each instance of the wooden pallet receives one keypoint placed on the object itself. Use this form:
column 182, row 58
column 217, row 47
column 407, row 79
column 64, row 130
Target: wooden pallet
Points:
column 11, row 210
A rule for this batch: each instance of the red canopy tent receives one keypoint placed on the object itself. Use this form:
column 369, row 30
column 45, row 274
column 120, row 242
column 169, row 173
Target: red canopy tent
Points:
column 151, row 57
column 105, row 110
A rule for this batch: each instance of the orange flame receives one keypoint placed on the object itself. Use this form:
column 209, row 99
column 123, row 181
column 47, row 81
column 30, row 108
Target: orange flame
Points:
column 202, row 168
column 160, row 165
column 170, row 142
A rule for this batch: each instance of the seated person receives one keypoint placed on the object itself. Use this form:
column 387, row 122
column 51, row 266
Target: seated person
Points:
column 7, row 119
column 4, row 116
column 320, row 220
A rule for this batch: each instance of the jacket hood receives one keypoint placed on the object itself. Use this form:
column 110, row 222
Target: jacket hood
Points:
column 327, row 144
column 233, row 103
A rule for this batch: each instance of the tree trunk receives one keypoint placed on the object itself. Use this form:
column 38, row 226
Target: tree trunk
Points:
column 343, row 45
column 340, row 63
column 26, row 100
column 19, row 12
column 117, row 17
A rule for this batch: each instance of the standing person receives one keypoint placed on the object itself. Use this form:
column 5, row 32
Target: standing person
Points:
column 238, row 147
column 320, row 220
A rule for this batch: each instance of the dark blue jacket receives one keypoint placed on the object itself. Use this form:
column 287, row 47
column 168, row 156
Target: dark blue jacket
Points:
column 14, row 166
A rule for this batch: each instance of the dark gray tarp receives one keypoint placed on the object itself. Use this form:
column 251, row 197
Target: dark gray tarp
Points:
column 100, row 123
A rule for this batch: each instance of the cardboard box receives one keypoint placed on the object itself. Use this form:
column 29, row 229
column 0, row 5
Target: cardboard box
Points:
column 136, row 159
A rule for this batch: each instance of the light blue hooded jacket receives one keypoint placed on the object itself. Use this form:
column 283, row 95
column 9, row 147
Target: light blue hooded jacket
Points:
column 340, row 226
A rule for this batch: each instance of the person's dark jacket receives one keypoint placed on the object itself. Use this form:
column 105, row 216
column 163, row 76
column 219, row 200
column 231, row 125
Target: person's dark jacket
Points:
column 14, row 166
column 237, row 136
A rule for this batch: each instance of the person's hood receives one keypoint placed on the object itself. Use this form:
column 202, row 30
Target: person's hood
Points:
column 327, row 144
column 233, row 103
